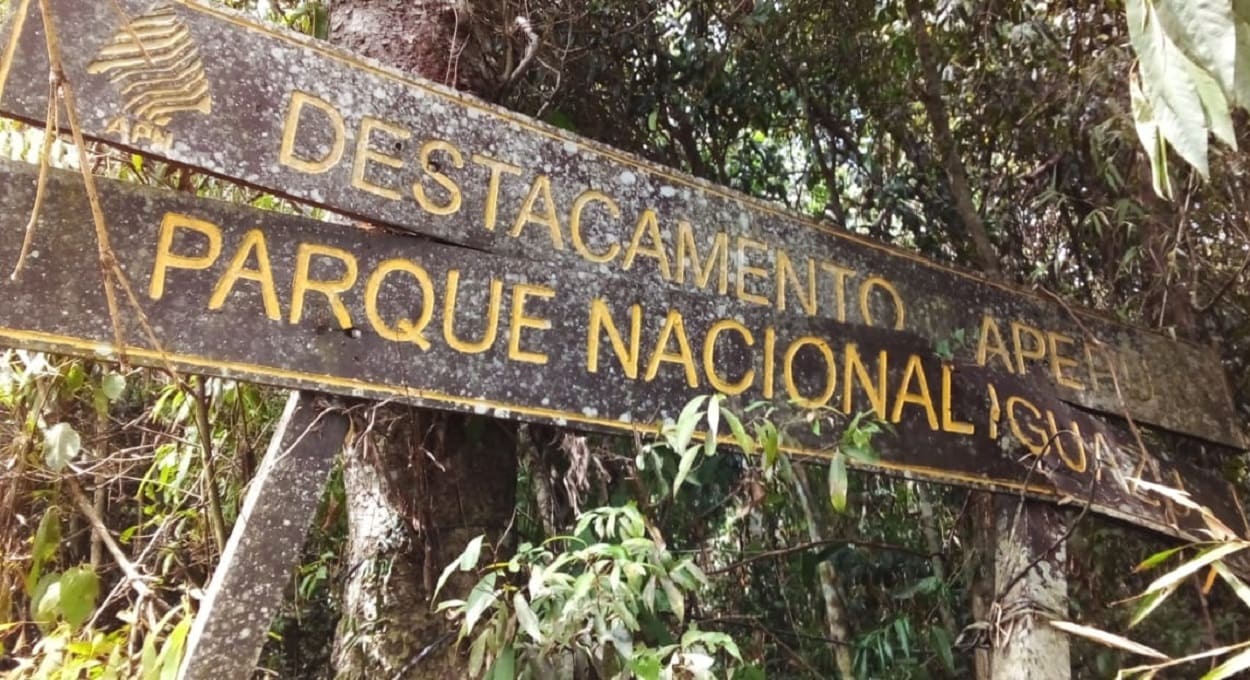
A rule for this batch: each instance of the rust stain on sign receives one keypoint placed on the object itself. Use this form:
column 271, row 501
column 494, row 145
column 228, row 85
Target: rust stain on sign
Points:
column 292, row 116
column 282, row 300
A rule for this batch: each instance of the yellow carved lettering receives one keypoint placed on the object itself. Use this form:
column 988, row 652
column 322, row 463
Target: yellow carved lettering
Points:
column 709, row 358
column 521, row 321
column 601, row 320
column 294, row 115
column 575, row 225
column 365, row 154
column 674, row 327
column 449, row 316
column 914, row 372
column 539, row 190
column 165, row 257
column 331, row 289
column 452, row 206
column 254, row 240
column 404, row 330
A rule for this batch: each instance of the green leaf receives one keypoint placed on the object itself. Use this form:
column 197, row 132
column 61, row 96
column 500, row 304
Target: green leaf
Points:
column 112, row 385
column 505, row 664
column 526, row 618
column 1166, row 83
column 683, row 468
column 1231, row 667
column 79, row 589
column 676, row 601
column 46, row 600
column 740, row 434
column 466, row 561
column 1204, row 31
column 837, row 482
column 1157, row 559
column 940, row 641
column 1149, row 603
column 713, row 426
column 645, row 665
column 47, row 540
column 1151, row 139
column 61, row 445
column 1214, row 106
column 468, row 558
column 480, row 599
column 477, row 653
column 1204, row 558
column 770, row 442
column 172, row 651
column 687, row 421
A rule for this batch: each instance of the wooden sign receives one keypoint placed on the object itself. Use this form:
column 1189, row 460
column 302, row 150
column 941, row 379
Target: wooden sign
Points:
column 240, row 293
column 292, row 116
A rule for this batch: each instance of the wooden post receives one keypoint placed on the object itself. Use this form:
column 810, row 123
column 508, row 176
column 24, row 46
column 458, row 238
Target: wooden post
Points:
column 230, row 628
column 1024, row 644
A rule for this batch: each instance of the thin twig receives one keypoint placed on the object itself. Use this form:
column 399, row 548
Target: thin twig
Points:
column 803, row 547
column 51, row 124
column 110, row 269
column 128, row 568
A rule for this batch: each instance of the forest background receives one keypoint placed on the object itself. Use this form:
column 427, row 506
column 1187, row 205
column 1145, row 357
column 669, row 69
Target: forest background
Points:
column 1022, row 139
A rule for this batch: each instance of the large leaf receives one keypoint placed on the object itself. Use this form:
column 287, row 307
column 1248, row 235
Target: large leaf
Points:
column 79, row 589
column 1203, row 30
column 1151, row 139
column 61, row 445
column 683, row 468
column 526, row 618
column 1166, row 82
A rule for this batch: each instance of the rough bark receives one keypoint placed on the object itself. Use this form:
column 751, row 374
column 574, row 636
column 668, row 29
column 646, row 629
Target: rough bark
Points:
column 420, row 484
column 948, row 148
column 1032, row 589
column 837, row 621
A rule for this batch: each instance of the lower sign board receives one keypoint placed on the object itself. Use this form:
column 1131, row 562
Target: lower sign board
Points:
column 205, row 87
column 239, row 293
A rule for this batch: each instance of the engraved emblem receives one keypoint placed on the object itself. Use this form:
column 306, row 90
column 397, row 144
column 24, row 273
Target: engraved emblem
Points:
column 157, row 70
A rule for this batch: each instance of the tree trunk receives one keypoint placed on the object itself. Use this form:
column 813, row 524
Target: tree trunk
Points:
column 419, row 484
column 1032, row 589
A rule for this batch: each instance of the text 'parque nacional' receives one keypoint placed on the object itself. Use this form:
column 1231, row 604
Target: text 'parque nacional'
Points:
column 327, row 128
column 235, row 292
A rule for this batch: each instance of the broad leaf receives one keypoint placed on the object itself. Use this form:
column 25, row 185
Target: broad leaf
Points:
column 61, row 445
column 526, row 618
column 79, row 589
column 683, row 468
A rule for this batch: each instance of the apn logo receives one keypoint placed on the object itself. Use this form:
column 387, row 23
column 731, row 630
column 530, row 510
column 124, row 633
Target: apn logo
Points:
column 157, row 70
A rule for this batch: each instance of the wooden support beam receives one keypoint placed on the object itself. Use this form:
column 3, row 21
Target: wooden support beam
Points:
column 246, row 590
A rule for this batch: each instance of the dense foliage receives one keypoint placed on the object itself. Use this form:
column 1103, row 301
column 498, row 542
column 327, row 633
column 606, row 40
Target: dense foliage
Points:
column 958, row 129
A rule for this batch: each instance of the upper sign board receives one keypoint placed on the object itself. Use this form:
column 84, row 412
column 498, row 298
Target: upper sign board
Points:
column 240, row 293
column 204, row 87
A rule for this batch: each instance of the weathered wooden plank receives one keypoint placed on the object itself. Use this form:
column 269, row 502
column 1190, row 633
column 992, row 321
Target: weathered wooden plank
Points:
column 246, row 591
column 296, row 117
column 287, row 301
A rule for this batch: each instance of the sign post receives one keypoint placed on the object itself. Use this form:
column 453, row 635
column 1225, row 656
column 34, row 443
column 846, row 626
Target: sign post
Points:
column 246, row 590
column 323, row 127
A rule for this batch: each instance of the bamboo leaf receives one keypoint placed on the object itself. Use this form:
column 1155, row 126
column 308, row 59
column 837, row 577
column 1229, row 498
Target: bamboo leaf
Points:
column 1230, row 668
column 683, row 468
column 837, row 482
column 1192, row 566
column 1109, row 639
column 740, row 434
column 526, row 618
